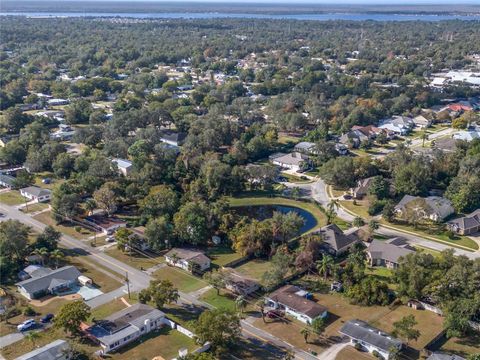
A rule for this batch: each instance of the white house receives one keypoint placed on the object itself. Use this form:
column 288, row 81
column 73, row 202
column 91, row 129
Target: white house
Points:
column 56, row 350
column 34, row 193
column 107, row 225
column 124, row 166
column 400, row 125
column 369, row 338
column 294, row 301
column 293, row 161
column 422, row 122
column 188, row 260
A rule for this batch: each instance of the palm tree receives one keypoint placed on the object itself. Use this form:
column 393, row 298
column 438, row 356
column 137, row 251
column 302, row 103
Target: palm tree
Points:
column 333, row 205
column 306, row 333
column 372, row 226
column 240, row 303
column 32, row 336
column 42, row 252
column 358, row 222
column 174, row 257
column 57, row 255
column 325, row 265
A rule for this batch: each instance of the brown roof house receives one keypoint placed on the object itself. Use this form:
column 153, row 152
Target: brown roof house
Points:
column 188, row 260
column 294, row 301
column 239, row 283
column 361, row 189
column 466, row 225
column 335, row 241
column 387, row 253
column 107, row 225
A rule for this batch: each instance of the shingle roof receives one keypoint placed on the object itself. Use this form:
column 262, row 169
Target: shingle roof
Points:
column 467, row 222
column 189, row 255
column 430, row 205
column 360, row 330
column 53, row 351
column 55, row 277
column 336, row 238
column 444, row 356
column 286, row 295
column 385, row 251
column 36, row 191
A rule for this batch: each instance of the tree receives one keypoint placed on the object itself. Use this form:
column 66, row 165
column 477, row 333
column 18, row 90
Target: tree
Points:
column 220, row 327
column 369, row 291
column 373, row 225
column 216, row 279
column 123, row 238
column 57, row 256
column 318, row 325
column 161, row 201
column 106, row 199
column 358, row 222
column 191, row 223
column 404, row 328
column 161, row 292
column 32, row 336
column 48, row 238
column 306, row 333
column 42, row 252
column 90, row 206
column 279, row 266
column 379, row 187
column 240, row 303
column 63, row 165
column 65, row 202
column 159, row 233
column 332, row 208
column 13, row 247
column 71, row 315
column 23, row 179
column 325, row 265
column 394, row 353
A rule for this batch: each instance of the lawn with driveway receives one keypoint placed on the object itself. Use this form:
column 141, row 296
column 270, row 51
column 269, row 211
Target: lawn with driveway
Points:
column 11, row 198
column 136, row 260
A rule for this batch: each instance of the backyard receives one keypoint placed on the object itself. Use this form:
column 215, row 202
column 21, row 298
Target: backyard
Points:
column 135, row 259
column 65, row 228
column 221, row 256
column 223, row 301
column 182, row 280
column 254, row 268
column 11, row 198
column 462, row 347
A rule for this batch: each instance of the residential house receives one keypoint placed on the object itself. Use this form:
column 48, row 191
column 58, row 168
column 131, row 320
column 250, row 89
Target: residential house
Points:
column 56, row 350
column 107, row 225
column 353, row 138
column 335, row 241
column 425, row 303
column 57, row 102
column 444, row 356
column 446, row 144
column 32, row 271
column 294, row 161
column 434, row 208
column 400, row 125
column 305, row 147
column 188, row 260
column 64, row 133
column 126, row 326
column 422, row 122
column 341, row 149
column 36, row 194
column 51, row 282
column 370, row 131
column 7, row 181
column 173, row 138
column 387, row 253
column 369, row 338
column 362, row 187
column 467, row 135
column 466, row 225
column 294, row 302
column 239, row 283
column 124, row 166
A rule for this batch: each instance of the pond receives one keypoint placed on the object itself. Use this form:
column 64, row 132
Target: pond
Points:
column 262, row 212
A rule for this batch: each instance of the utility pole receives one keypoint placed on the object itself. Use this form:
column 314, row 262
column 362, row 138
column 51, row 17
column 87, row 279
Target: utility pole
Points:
column 127, row 281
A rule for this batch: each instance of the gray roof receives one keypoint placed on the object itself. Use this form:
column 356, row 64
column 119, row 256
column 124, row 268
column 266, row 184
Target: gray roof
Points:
column 173, row 136
column 386, row 251
column 7, row 179
column 52, row 279
column 336, row 238
column 444, row 356
column 124, row 322
column 363, row 185
column 470, row 221
column 36, row 191
column 287, row 295
column 52, row 351
column 360, row 330
column 430, row 205
column 189, row 255
column 294, row 158
column 123, row 163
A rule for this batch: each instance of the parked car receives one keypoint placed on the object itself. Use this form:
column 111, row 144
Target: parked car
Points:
column 110, row 238
column 275, row 314
column 27, row 324
column 46, row 318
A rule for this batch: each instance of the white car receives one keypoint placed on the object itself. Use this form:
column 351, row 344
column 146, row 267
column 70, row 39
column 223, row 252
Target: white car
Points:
column 27, row 324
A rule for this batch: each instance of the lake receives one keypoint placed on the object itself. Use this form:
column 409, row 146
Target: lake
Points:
column 218, row 15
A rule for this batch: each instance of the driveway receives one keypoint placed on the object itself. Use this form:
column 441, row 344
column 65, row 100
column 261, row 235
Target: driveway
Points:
column 332, row 352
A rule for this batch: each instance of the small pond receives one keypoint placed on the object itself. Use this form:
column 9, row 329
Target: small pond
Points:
column 262, row 212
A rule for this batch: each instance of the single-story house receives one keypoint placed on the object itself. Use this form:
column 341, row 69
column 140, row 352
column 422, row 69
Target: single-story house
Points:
column 444, row 356
column 400, row 125
column 64, row 132
column 239, row 283
column 422, row 122
column 188, row 260
column 467, row 135
column 434, row 208
column 58, row 102
column 361, row 189
column 341, row 149
column 305, row 147
column 107, row 225
column 53, row 282
column 466, row 225
column 294, row 302
column 7, row 181
column 294, row 161
column 124, row 166
column 335, row 241
column 370, row 338
column 425, row 303
column 353, row 138
column 56, row 350
column 34, row 193
column 125, row 326
column 371, row 131
column 32, row 271
column 173, row 138
column 387, row 253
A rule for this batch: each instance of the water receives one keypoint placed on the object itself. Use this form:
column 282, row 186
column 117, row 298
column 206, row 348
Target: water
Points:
column 213, row 15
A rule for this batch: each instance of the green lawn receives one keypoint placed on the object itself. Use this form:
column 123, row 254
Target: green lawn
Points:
column 254, row 268
column 222, row 255
column 222, row 301
column 462, row 346
column 164, row 342
column 11, row 198
column 314, row 209
column 182, row 280
column 34, row 208
column 135, row 259
column 360, row 209
column 295, row 179
column 382, row 274
column 65, row 228
column 105, row 310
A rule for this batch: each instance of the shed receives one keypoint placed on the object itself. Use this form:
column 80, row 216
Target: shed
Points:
column 85, row 280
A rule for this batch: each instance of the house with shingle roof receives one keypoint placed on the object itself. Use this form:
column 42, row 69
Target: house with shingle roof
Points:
column 466, row 225
column 387, row 253
column 335, row 241
column 188, row 260
column 370, row 338
column 239, row 283
column 434, row 208
column 56, row 350
column 362, row 187
column 444, row 356
column 294, row 161
column 294, row 302
column 36, row 194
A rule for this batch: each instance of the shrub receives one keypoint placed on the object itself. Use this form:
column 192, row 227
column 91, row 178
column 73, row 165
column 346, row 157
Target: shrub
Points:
column 28, row 311
column 376, row 354
column 78, row 228
column 358, row 346
column 375, row 207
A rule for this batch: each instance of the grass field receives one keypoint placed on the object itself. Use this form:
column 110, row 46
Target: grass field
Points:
column 319, row 216
column 222, row 301
column 46, row 218
column 361, row 208
column 350, row 353
column 462, row 347
column 11, row 198
column 182, row 280
column 105, row 310
column 34, row 208
column 382, row 274
column 222, row 255
column 164, row 342
column 295, row 179
column 254, row 268
column 136, row 260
